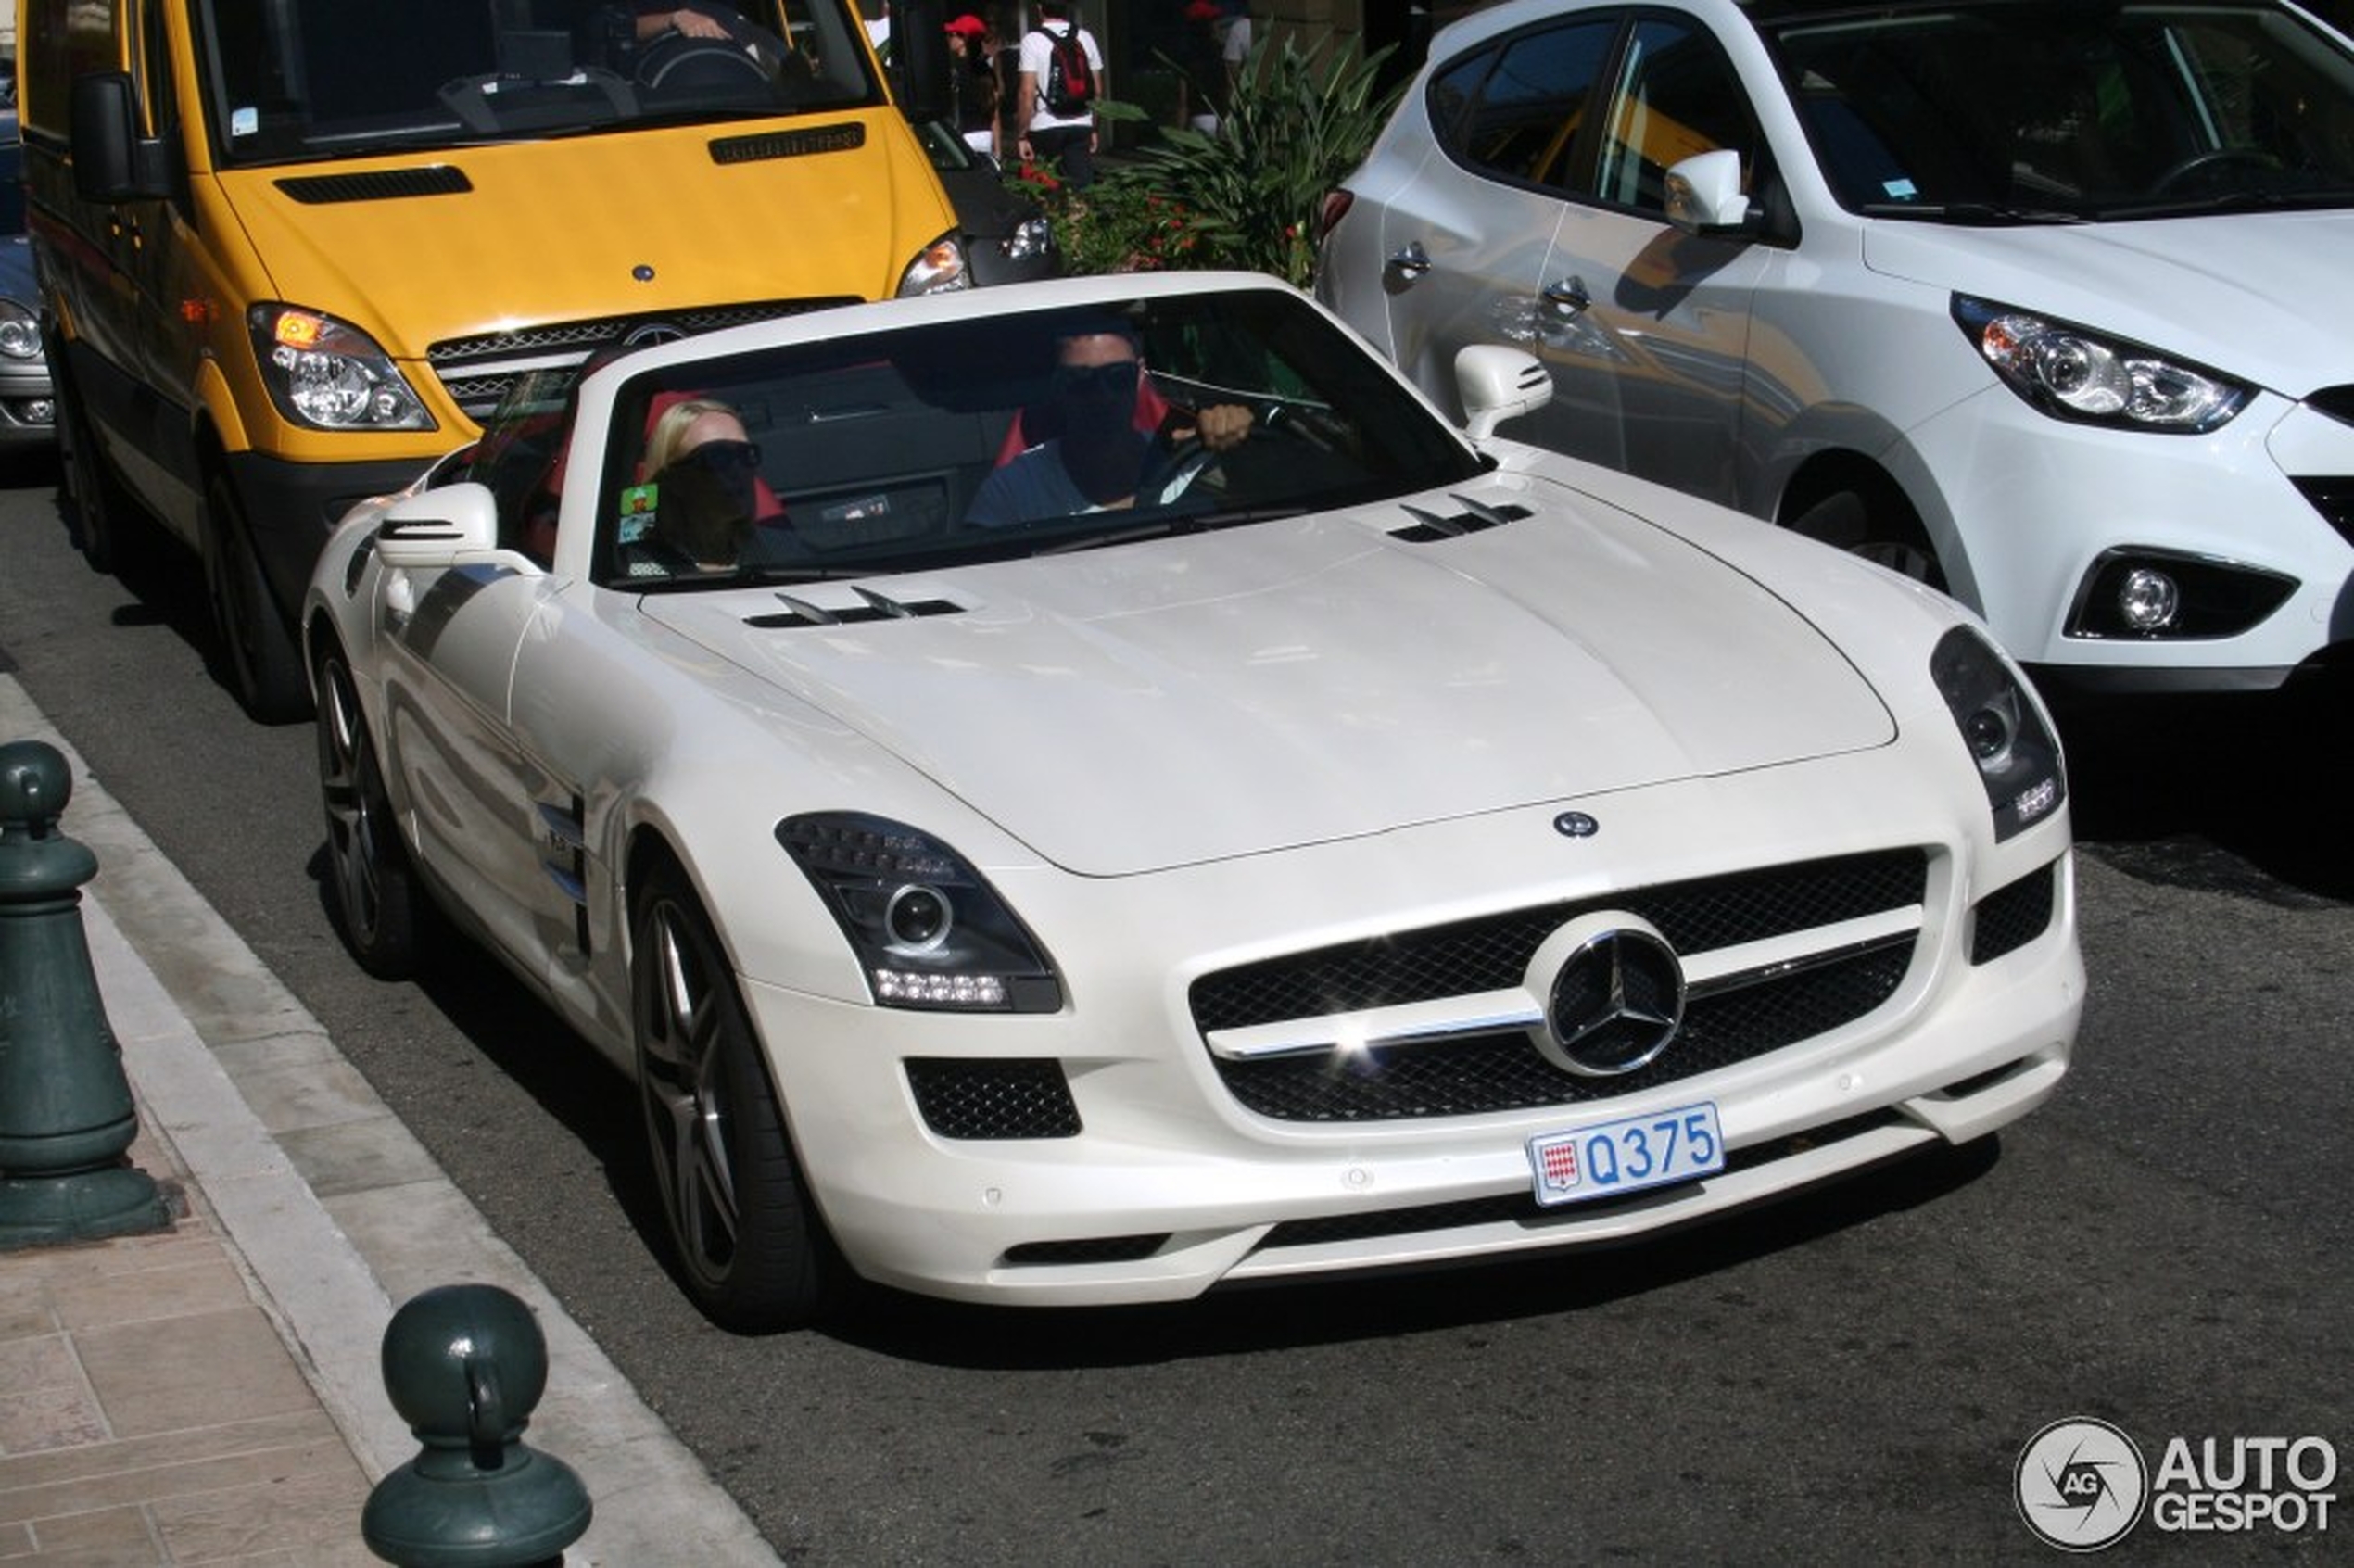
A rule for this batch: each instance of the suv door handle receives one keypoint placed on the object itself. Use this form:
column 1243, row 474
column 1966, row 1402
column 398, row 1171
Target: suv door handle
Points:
column 1569, row 297
column 1413, row 260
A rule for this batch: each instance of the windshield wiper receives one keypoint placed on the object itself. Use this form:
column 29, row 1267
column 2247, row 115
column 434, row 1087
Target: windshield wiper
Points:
column 1969, row 212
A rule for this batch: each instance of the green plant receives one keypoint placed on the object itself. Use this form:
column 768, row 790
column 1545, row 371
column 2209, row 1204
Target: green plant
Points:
column 1298, row 122
column 1119, row 224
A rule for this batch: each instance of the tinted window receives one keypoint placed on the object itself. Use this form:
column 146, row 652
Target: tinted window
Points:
column 1522, row 106
column 2087, row 111
column 1677, row 95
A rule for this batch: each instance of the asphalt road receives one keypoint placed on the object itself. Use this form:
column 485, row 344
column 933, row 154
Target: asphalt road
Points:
column 1848, row 1377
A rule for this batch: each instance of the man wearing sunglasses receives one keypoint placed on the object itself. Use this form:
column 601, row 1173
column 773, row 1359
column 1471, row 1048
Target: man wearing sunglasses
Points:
column 1098, row 456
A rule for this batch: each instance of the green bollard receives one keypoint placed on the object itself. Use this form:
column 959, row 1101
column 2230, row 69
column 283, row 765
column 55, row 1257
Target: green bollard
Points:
column 465, row 1366
column 67, row 1120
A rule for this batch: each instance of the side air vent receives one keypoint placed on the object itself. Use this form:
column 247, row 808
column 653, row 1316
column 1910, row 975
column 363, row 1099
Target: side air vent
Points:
column 847, row 137
column 1429, row 527
column 383, row 184
column 2334, row 499
column 871, row 606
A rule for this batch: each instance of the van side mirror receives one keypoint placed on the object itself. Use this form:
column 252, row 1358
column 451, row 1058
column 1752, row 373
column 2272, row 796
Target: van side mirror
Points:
column 919, row 58
column 111, row 161
column 1497, row 384
column 1705, row 194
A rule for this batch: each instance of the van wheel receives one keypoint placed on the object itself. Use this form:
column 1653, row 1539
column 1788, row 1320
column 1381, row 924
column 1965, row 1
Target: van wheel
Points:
column 1878, row 525
column 264, row 670
column 92, row 492
column 750, row 1245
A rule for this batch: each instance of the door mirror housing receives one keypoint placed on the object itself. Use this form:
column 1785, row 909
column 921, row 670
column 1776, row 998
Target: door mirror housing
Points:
column 111, row 161
column 1497, row 384
column 440, row 527
column 1705, row 194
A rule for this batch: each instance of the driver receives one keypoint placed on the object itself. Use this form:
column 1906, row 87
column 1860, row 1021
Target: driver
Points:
column 1100, row 458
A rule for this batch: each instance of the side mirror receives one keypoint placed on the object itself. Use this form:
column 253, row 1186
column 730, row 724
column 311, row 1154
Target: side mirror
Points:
column 1497, row 384
column 111, row 161
column 919, row 57
column 1705, row 194
column 437, row 528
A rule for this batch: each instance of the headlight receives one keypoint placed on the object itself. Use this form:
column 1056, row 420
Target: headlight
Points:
column 329, row 374
column 1032, row 237
column 2004, row 728
column 937, row 268
column 930, row 932
column 2073, row 374
column 19, row 332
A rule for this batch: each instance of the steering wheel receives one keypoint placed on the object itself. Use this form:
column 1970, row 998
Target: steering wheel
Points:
column 2214, row 157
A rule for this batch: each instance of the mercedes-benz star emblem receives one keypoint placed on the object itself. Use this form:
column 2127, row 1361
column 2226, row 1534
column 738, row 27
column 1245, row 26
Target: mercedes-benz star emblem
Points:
column 1615, row 1002
column 651, row 334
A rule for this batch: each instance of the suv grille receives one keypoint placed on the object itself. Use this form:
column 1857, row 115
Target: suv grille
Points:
column 1502, row 1070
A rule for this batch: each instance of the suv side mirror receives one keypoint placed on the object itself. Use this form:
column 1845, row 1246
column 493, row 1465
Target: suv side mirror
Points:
column 1497, row 384
column 111, row 161
column 1705, row 194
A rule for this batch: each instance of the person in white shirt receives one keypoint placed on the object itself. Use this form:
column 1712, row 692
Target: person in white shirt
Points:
column 1067, row 139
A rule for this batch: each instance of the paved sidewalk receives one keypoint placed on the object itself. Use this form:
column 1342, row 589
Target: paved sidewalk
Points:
column 210, row 1395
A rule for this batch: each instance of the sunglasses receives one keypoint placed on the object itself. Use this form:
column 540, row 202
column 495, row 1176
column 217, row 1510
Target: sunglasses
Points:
column 722, row 456
column 1117, row 379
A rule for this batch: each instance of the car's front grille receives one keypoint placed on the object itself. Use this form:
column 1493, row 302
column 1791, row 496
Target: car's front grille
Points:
column 477, row 372
column 1467, row 1074
column 2334, row 499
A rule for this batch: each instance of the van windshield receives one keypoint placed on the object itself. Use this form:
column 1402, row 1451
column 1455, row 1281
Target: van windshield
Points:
column 1998, row 112
column 292, row 80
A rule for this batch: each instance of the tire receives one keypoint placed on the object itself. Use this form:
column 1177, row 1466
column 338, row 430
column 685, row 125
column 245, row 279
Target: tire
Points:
column 94, row 497
column 753, row 1252
column 375, row 888
column 1880, row 528
column 265, row 672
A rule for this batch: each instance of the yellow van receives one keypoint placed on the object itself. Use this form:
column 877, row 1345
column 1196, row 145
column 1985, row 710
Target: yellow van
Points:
column 294, row 249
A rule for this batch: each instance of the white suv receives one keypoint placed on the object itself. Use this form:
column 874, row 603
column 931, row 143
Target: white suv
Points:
column 2046, row 304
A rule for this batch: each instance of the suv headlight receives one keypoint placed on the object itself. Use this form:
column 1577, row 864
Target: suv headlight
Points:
column 330, row 375
column 937, row 268
column 2071, row 373
column 928, row 930
column 2004, row 727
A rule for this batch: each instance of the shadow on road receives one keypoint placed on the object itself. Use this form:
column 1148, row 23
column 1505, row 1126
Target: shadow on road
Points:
column 2247, row 794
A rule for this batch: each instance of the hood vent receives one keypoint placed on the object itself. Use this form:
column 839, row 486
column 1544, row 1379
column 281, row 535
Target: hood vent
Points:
column 849, row 136
column 1428, row 528
column 872, row 606
column 382, row 184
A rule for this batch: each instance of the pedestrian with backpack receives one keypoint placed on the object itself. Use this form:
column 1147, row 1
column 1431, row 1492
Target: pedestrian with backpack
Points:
column 1062, row 74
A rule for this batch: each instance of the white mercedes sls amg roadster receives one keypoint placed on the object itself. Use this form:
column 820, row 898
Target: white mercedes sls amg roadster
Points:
column 1091, row 791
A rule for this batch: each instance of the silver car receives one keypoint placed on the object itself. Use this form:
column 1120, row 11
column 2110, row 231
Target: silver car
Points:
column 2043, row 304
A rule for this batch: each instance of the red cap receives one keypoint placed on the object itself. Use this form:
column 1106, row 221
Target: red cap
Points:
column 969, row 25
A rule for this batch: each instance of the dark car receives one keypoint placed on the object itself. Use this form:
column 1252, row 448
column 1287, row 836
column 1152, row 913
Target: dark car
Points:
column 28, row 403
column 1007, row 239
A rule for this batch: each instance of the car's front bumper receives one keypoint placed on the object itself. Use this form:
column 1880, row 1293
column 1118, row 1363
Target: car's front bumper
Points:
column 1170, row 1185
column 28, row 406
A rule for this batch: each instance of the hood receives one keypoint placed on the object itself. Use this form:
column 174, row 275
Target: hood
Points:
column 1181, row 700
column 593, row 226
column 2258, row 296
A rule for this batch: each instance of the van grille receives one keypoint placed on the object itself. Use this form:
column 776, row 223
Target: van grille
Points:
column 477, row 371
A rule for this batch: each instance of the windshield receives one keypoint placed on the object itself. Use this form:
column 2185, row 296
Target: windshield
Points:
column 2004, row 111
column 304, row 79
column 987, row 438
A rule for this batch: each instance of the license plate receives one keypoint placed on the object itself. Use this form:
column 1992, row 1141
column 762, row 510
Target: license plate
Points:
column 1610, row 1158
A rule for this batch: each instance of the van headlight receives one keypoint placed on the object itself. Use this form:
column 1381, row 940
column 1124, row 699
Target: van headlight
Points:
column 2071, row 373
column 330, row 375
column 937, row 269
column 928, row 930
column 2004, row 728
